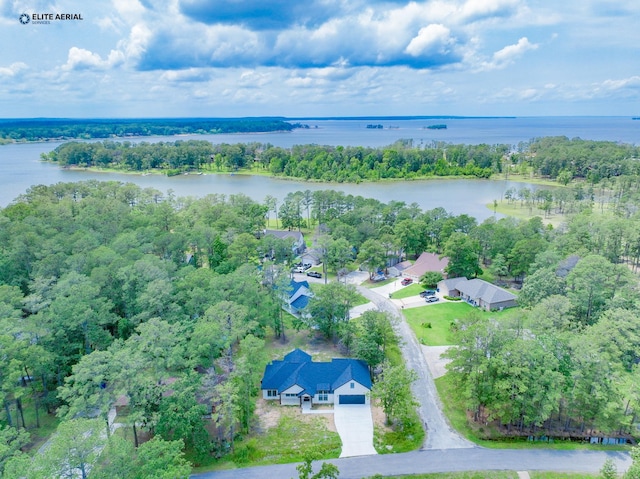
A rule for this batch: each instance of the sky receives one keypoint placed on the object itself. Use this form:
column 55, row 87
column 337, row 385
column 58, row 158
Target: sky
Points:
column 315, row 58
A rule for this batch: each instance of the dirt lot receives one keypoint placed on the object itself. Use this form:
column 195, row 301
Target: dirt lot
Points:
column 270, row 412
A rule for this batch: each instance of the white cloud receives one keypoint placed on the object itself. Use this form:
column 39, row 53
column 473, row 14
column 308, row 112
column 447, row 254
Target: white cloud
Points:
column 81, row 59
column 433, row 38
column 506, row 56
column 473, row 10
column 626, row 83
column 13, row 69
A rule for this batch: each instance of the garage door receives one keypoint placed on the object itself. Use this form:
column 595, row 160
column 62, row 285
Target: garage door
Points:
column 351, row 399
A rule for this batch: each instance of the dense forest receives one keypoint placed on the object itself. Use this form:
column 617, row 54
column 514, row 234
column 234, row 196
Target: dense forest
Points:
column 556, row 158
column 110, row 291
column 50, row 129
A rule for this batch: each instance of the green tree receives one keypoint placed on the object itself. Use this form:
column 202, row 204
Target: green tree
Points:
column 329, row 308
column 373, row 256
column 327, row 470
column 90, row 388
column 609, row 470
column 73, row 450
column 181, row 416
column 12, row 440
column 393, row 390
column 634, row 470
column 539, row 285
column 339, row 254
column 431, row 279
column 373, row 334
column 463, row 254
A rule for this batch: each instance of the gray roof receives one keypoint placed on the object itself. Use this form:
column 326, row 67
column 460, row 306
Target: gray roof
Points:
column 296, row 235
column 452, row 283
column 487, row 292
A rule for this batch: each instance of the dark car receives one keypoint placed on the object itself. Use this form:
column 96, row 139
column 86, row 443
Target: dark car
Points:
column 431, row 299
column 406, row 281
column 427, row 292
column 314, row 274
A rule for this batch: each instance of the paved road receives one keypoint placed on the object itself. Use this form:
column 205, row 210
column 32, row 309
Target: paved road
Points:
column 439, row 434
column 429, row 461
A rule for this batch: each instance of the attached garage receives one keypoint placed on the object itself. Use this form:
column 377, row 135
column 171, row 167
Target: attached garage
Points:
column 352, row 399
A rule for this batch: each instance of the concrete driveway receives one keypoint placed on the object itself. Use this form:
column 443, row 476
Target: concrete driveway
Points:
column 355, row 426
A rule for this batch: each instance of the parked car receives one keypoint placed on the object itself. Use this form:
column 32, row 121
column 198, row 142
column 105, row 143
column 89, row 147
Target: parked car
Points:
column 298, row 269
column 306, row 266
column 314, row 274
column 427, row 292
column 406, row 281
column 378, row 277
column 431, row 299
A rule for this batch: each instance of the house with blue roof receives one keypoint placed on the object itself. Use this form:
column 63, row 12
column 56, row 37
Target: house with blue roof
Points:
column 299, row 294
column 299, row 381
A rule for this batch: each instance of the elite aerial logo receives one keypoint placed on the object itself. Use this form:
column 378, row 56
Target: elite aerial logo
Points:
column 25, row 18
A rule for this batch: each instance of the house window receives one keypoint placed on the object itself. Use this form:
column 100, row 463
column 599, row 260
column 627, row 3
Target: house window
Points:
column 290, row 395
column 323, row 396
column 352, row 385
column 272, row 393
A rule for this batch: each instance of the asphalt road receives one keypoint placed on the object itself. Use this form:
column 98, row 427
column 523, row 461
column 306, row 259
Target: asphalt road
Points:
column 433, row 460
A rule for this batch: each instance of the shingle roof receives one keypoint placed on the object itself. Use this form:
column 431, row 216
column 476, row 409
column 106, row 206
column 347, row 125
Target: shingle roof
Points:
column 297, row 356
column 487, row 292
column 452, row 283
column 296, row 235
column 300, row 302
column 294, row 286
column 312, row 376
column 427, row 262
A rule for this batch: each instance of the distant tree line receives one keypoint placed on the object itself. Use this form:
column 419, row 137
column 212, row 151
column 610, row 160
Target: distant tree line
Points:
column 48, row 129
column 556, row 158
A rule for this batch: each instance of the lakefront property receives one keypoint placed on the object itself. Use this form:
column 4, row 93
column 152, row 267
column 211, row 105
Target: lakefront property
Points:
column 297, row 380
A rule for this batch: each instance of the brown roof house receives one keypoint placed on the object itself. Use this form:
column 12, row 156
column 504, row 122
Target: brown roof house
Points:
column 426, row 262
column 478, row 292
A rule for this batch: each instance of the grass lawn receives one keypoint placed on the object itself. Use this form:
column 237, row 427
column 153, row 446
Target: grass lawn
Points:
column 440, row 317
column 515, row 210
column 407, row 291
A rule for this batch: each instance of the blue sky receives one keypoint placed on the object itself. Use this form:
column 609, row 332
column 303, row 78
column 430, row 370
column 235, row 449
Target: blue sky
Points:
column 213, row 58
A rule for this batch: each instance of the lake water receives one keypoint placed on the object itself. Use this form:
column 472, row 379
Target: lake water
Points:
column 20, row 165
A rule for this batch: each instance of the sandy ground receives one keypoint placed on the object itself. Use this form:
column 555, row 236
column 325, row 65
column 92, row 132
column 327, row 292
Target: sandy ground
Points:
column 270, row 412
column 437, row 364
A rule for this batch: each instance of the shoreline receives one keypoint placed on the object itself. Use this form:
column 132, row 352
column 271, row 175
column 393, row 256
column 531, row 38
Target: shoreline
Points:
column 160, row 172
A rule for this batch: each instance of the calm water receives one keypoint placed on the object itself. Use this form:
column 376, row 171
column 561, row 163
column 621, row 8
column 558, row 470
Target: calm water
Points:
column 21, row 168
